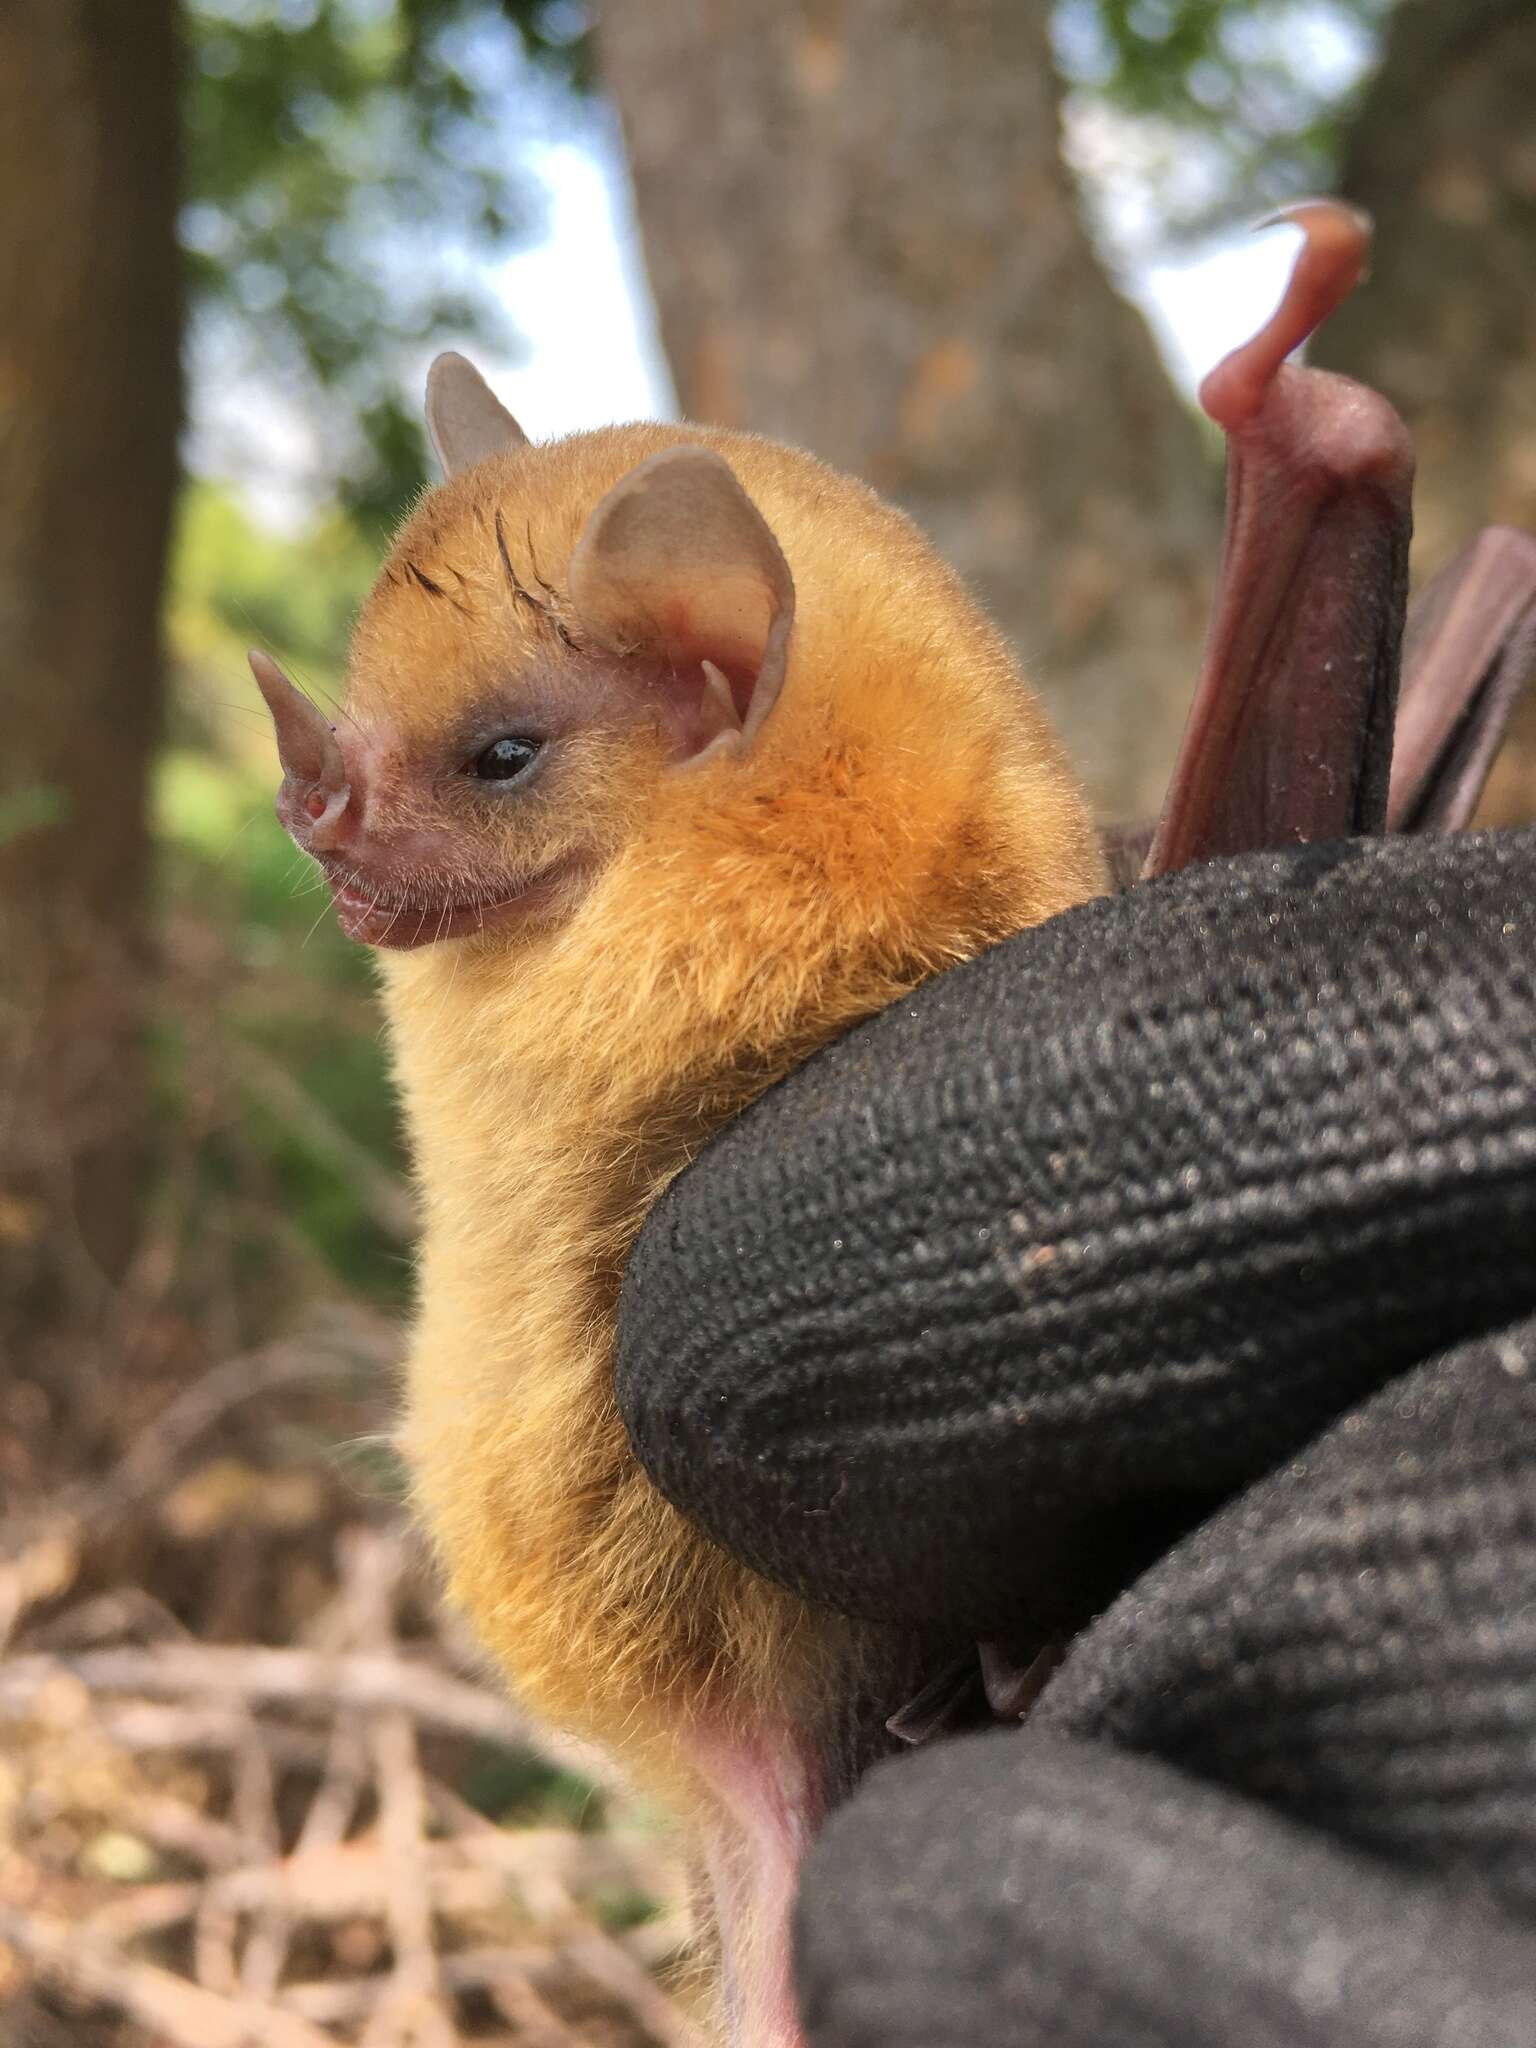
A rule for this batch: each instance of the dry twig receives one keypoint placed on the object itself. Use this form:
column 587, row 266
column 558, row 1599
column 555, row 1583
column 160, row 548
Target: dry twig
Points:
column 187, row 2014
column 302, row 1678
column 427, row 1871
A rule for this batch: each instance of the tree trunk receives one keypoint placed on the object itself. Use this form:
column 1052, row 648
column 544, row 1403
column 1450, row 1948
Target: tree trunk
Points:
column 89, row 405
column 861, row 238
column 1443, row 154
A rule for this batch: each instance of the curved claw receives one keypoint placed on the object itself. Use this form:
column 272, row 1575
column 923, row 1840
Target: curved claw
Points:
column 1329, row 264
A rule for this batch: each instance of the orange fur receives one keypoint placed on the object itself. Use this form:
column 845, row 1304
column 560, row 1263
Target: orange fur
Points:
column 905, row 806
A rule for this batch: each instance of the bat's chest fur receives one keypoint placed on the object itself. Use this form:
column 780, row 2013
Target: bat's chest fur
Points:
column 609, row 1613
column 551, row 1095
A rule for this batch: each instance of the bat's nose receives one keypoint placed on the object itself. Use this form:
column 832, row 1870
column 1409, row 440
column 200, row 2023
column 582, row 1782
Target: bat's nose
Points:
column 306, row 744
column 332, row 818
column 317, row 802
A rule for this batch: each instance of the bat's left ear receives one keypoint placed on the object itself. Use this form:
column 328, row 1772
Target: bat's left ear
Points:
column 677, row 567
column 466, row 421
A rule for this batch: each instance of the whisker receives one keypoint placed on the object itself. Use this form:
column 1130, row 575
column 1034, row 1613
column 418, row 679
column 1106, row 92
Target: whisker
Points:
column 240, row 710
column 322, row 698
column 552, row 600
column 320, row 920
column 259, row 638
column 310, row 689
column 234, row 838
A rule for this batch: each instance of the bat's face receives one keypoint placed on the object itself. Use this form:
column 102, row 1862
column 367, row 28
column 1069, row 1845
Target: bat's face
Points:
column 490, row 812
column 504, row 736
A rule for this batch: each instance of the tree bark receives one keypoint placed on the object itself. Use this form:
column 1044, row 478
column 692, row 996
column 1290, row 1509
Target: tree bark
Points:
column 862, row 239
column 89, row 407
column 1443, row 154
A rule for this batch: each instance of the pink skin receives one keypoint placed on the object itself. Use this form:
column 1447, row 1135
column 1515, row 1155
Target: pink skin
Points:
column 1289, row 734
column 374, row 916
column 384, row 889
column 1329, row 266
column 769, row 1806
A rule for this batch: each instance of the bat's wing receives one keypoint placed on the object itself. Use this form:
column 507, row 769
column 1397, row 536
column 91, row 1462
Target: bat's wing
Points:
column 1299, row 730
column 1290, row 733
column 1469, row 651
column 1125, row 849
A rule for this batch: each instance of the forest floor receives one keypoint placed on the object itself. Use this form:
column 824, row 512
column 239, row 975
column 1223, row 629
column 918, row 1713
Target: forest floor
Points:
column 256, row 1789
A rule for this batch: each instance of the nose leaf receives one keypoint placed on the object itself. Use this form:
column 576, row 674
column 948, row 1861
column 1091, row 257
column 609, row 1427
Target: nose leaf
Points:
column 307, row 747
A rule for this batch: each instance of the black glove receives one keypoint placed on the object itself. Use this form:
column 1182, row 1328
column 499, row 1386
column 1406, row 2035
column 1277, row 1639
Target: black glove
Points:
column 1282, row 1795
column 1016, row 1282
column 1111, row 1219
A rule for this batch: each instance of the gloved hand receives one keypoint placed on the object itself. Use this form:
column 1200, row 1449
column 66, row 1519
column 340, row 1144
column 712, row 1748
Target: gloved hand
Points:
column 1231, row 1176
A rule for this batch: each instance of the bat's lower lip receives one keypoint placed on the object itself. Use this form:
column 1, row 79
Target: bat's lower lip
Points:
column 373, row 917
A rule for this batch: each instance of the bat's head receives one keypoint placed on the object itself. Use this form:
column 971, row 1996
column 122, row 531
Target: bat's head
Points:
column 558, row 631
column 576, row 646
column 503, row 733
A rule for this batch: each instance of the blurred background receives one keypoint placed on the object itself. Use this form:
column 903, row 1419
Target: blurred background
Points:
column 252, row 1785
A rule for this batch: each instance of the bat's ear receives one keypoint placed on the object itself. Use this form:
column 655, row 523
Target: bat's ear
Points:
column 465, row 419
column 678, row 567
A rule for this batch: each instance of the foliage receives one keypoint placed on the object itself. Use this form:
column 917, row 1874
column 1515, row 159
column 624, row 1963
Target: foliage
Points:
column 1261, row 90
column 235, row 583
column 352, row 169
column 350, row 166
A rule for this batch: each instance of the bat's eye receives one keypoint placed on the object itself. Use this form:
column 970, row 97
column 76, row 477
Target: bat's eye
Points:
column 505, row 759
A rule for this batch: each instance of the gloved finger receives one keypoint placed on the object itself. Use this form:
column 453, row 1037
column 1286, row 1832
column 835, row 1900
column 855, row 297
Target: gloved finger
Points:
column 1097, row 1227
column 1353, row 1640
column 1038, row 1890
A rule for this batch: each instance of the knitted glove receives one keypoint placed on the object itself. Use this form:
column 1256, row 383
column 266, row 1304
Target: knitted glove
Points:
column 1209, row 1209
column 1027, row 1273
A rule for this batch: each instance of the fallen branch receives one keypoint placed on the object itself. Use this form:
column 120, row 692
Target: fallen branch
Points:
column 301, row 1678
column 143, row 1725
column 414, row 2009
column 186, row 2014
column 604, row 1959
column 36, row 1564
column 352, row 1881
column 42, row 1568
column 334, row 2003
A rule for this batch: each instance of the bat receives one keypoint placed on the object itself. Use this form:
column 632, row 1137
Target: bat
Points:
column 667, row 754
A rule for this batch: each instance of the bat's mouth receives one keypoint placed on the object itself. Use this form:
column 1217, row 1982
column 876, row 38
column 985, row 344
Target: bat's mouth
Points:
column 399, row 918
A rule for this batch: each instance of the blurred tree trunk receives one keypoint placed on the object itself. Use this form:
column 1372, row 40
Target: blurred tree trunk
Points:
column 1443, row 153
column 861, row 238
column 89, row 405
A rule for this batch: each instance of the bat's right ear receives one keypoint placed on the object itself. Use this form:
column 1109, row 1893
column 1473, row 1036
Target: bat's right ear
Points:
column 677, row 569
column 466, row 420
